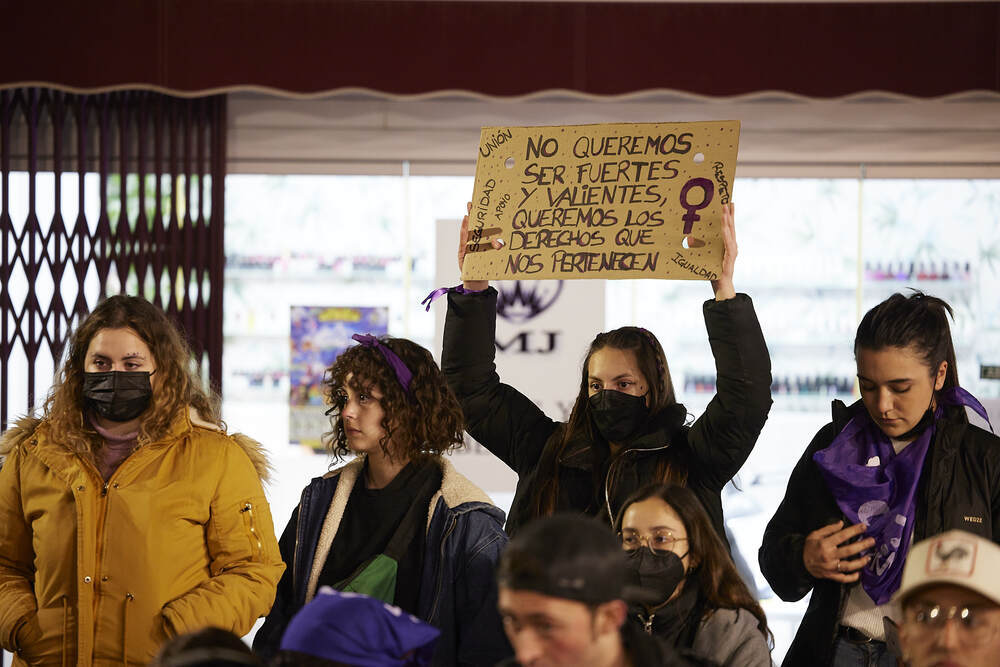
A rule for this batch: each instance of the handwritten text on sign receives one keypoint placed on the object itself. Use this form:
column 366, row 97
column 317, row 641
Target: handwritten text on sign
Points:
column 636, row 200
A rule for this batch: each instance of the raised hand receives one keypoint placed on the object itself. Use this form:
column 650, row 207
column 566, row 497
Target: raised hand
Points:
column 463, row 248
column 723, row 287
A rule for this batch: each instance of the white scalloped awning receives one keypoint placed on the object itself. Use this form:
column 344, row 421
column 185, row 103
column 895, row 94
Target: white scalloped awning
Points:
column 876, row 133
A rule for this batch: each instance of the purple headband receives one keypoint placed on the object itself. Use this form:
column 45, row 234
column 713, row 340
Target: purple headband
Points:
column 403, row 373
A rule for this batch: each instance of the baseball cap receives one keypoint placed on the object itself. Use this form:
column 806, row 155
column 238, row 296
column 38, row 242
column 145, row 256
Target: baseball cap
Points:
column 359, row 630
column 957, row 558
column 572, row 557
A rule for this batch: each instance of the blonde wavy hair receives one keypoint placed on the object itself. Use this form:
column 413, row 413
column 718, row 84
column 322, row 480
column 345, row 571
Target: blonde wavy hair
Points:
column 177, row 388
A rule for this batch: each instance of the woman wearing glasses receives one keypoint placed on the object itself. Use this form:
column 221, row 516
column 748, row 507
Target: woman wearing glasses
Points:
column 703, row 607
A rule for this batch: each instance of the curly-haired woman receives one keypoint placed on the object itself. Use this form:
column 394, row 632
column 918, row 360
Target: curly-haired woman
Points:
column 127, row 514
column 398, row 522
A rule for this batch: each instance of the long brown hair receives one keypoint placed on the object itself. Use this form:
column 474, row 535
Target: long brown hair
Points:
column 718, row 579
column 427, row 420
column 177, row 386
column 652, row 363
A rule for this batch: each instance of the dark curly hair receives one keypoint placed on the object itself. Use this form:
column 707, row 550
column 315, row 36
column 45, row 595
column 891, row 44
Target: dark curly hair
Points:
column 426, row 421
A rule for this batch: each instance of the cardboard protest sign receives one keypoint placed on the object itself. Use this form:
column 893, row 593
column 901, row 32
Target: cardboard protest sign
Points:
column 633, row 200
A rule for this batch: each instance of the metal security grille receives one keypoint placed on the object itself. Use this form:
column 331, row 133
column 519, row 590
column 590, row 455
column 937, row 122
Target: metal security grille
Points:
column 103, row 194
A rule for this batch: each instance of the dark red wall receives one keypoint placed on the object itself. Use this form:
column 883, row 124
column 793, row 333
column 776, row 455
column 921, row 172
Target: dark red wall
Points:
column 505, row 48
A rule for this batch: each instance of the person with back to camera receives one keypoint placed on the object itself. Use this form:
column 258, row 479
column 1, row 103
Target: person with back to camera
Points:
column 398, row 523
column 700, row 603
column 897, row 466
column 563, row 597
column 127, row 515
column 626, row 428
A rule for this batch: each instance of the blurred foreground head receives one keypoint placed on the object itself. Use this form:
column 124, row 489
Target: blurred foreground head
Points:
column 950, row 596
column 338, row 628
column 562, row 586
column 211, row 647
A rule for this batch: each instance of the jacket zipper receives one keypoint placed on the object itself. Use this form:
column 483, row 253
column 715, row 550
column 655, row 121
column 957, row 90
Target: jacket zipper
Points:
column 129, row 598
column 101, row 531
column 607, row 476
column 248, row 510
column 647, row 623
column 437, row 594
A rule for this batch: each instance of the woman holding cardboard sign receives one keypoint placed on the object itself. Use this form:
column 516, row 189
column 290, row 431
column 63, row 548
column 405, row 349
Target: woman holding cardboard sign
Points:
column 626, row 429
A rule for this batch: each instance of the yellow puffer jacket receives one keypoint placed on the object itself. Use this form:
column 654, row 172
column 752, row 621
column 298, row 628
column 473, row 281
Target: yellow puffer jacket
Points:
column 95, row 573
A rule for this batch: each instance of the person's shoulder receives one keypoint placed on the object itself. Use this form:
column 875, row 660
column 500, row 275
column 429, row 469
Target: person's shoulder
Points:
column 19, row 433
column 214, row 444
column 723, row 621
column 981, row 441
column 727, row 632
column 840, row 414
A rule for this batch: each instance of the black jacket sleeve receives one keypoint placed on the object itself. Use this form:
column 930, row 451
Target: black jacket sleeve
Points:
column 267, row 641
column 781, row 548
column 502, row 419
column 723, row 437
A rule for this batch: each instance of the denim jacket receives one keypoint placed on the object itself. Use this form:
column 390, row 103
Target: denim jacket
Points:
column 458, row 592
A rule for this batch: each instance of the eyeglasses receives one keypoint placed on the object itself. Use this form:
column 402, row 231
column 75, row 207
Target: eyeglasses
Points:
column 975, row 625
column 661, row 541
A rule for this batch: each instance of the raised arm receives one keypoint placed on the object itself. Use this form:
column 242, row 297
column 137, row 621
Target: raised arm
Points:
column 503, row 419
column 723, row 437
column 723, row 286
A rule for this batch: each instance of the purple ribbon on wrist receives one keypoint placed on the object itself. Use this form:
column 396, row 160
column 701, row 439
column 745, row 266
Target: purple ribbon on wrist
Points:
column 458, row 289
column 403, row 373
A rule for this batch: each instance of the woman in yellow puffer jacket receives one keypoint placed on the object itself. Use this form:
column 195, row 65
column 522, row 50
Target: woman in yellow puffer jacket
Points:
column 127, row 514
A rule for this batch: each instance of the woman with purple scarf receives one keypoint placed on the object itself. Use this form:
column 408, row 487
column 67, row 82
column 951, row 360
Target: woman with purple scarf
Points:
column 898, row 466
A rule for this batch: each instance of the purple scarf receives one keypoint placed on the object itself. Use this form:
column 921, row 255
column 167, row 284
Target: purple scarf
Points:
column 875, row 486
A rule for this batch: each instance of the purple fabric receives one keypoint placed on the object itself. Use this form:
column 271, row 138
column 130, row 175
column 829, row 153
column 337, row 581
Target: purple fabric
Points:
column 875, row 486
column 458, row 289
column 355, row 629
column 403, row 373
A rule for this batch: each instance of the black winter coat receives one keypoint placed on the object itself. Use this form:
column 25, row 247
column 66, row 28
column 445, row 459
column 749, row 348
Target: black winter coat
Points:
column 959, row 488
column 514, row 429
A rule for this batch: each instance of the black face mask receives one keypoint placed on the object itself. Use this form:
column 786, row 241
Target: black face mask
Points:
column 117, row 396
column 617, row 415
column 658, row 573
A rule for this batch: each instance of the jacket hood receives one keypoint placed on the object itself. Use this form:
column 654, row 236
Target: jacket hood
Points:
column 18, row 432
column 257, row 455
column 24, row 427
